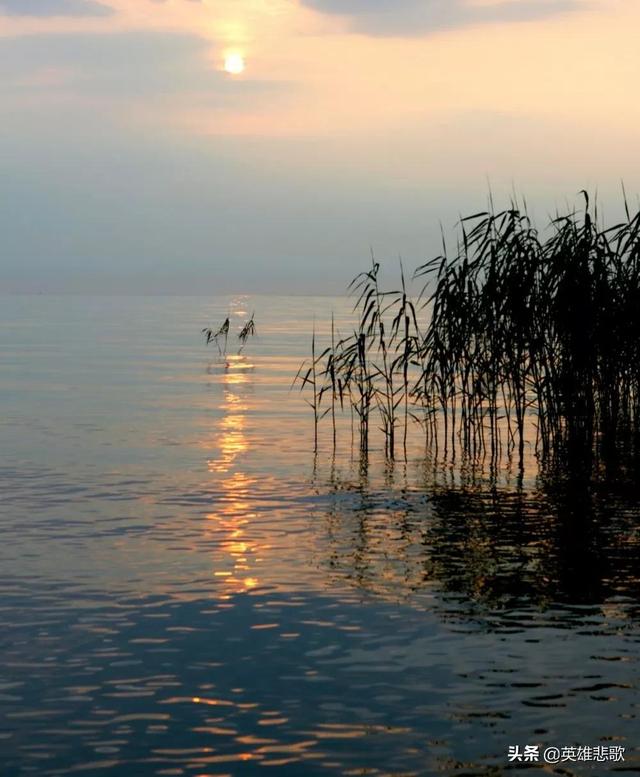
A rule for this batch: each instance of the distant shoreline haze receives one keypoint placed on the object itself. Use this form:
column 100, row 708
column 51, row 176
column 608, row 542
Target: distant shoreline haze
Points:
column 106, row 267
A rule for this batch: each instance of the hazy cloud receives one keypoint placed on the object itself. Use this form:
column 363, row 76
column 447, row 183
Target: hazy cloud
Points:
column 421, row 17
column 128, row 65
column 47, row 8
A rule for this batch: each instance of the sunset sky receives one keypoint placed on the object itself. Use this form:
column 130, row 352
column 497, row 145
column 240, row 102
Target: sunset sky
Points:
column 133, row 161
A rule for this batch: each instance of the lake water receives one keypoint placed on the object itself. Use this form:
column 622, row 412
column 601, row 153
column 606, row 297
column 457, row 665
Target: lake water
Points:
column 188, row 590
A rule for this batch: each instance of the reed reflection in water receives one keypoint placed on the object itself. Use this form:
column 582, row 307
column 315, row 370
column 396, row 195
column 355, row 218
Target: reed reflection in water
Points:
column 185, row 590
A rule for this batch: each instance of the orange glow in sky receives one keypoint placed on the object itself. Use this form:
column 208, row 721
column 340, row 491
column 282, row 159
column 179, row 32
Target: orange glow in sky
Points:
column 341, row 125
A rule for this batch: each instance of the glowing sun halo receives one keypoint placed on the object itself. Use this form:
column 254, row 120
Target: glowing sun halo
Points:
column 234, row 64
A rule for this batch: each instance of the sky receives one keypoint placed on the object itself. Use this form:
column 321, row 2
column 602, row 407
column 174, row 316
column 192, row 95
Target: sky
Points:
column 240, row 146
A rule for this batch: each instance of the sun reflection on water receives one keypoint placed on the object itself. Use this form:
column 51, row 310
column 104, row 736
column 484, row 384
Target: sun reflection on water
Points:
column 230, row 437
column 231, row 522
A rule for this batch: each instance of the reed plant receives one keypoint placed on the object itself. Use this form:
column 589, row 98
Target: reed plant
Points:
column 514, row 341
column 216, row 336
column 308, row 377
column 221, row 336
column 247, row 331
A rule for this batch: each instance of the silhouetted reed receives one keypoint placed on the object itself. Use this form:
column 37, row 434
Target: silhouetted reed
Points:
column 514, row 342
column 222, row 333
column 221, row 336
column 308, row 376
column 247, row 331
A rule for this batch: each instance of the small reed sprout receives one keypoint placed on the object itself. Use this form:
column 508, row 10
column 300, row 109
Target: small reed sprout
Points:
column 247, row 331
column 515, row 341
column 222, row 333
column 307, row 375
column 221, row 336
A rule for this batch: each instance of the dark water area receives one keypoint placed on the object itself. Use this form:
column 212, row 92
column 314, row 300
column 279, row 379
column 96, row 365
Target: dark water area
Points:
column 187, row 590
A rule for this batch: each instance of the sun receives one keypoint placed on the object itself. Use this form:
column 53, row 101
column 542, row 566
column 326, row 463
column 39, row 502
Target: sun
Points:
column 234, row 63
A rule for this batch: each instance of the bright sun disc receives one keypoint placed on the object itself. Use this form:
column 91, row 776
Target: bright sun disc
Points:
column 234, row 64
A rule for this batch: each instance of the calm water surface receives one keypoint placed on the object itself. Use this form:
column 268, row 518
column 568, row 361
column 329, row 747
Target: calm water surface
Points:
column 187, row 590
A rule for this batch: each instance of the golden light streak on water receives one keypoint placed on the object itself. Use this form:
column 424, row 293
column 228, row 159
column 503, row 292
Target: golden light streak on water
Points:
column 233, row 519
